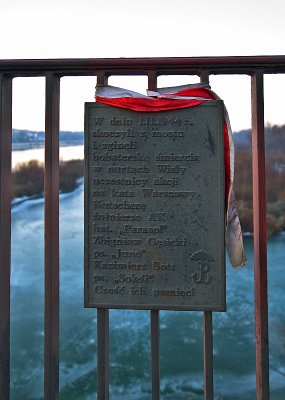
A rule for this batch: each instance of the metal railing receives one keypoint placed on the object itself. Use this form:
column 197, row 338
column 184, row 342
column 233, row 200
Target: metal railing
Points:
column 53, row 70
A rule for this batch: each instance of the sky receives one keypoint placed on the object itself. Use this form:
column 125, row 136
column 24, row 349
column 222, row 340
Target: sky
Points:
column 140, row 28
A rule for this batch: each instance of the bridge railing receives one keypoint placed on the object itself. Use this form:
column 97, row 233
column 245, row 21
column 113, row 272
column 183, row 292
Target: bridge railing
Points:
column 53, row 70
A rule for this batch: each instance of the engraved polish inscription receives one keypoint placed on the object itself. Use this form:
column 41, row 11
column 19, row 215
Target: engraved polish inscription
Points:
column 154, row 208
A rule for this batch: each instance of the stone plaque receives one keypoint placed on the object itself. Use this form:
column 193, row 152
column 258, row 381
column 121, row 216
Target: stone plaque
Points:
column 154, row 208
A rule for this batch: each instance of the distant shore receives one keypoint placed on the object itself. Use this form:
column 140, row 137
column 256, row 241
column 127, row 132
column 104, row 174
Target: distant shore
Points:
column 40, row 145
column 25, row 139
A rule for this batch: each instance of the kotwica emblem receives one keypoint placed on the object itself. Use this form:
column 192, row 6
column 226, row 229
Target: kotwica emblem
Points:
column 202, row 273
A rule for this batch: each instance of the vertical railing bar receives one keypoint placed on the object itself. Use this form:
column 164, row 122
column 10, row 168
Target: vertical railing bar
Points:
column 207, row 323
column 51, row 347
column 155, row 354
column 102, row 354
column 152, row 80
column 102, row 78
column 208, row 355
column 5, row 231
column 154, row 314
column 204, row 76
column 103, row 374
column 260, row 238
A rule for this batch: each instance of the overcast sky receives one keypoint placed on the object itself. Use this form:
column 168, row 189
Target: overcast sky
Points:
column 144, row 28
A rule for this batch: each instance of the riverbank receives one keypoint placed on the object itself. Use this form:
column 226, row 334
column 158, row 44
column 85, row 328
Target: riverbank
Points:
column 28, row 183
column 28, row 178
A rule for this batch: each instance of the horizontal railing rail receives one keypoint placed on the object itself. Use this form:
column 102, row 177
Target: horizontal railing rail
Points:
column 163, row 65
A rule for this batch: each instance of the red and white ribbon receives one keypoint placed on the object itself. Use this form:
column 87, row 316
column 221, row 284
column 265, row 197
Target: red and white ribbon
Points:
column 183, row 97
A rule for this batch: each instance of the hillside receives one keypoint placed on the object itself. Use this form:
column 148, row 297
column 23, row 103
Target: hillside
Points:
column 275, row 178
column 274, row 138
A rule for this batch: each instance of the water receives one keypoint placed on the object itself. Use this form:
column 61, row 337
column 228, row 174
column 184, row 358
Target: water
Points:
column 181, row 332
column 66, row 153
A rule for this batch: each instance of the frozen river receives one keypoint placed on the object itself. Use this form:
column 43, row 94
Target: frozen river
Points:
column 65, row 154
column 181, row 332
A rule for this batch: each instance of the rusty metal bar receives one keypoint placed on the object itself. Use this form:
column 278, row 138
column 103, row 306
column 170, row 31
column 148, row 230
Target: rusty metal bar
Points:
column 208, row 355
column 103, row 334
column 162, row 65
column 154, row 314
column 260, row 240
column 208, row 324
column 102, row 78
column 155, row 354
column 51, row 349
column 152, row 80
column 102, row 354
column 5, row 231
column 204, row 76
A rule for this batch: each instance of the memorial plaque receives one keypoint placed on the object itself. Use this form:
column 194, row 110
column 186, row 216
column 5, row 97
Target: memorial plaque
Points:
column 154, row 208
